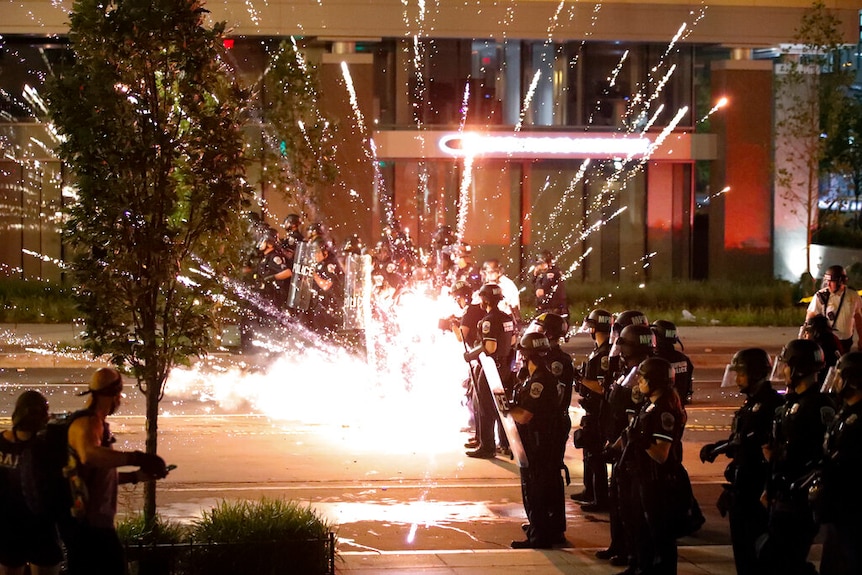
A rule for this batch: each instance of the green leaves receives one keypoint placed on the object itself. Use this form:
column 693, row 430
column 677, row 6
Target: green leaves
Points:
column 152, row 124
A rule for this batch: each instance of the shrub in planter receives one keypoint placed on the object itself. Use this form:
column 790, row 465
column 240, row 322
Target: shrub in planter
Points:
column 269, row 536
column 153, row 551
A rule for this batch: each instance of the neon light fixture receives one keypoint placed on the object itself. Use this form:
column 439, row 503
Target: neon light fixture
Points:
column 584, row 146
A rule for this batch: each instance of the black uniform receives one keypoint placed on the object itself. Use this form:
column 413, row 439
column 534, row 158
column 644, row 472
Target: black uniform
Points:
column 274, row 291
column 619, row 409
column 747, row 473
column 591, row 437
column 471, row 318
column 648, row 493
column 551, row 282
column 499, row 327
column 328, row 304
column 290, row 244
column 842, row 507
column 541, row 483
column 797, row 444
column 683, row 370
column 561, row 366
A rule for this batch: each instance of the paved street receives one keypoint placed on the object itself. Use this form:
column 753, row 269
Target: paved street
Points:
column 386, row 466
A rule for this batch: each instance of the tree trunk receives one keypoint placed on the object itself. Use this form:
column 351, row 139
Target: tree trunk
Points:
column 153, row 391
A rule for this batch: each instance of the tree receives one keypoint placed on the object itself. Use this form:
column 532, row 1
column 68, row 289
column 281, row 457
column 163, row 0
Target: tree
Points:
column 806, row 91
column 844, row 148
column 150, row 123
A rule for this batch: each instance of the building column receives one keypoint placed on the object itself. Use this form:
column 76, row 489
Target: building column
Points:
column 354, row 204
column 740, row 226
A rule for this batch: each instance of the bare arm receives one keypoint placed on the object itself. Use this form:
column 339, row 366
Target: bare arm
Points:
column 85, row 437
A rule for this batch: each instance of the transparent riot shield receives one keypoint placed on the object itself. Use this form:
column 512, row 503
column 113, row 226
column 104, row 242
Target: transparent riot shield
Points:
column 357, row 292
column 300, row 292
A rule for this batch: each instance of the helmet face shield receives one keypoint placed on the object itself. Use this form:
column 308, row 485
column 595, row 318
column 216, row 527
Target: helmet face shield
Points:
column 778, row 366
column 832, row 383
column 729, row 377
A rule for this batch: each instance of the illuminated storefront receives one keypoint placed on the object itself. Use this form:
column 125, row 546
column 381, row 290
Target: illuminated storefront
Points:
column 531, row 89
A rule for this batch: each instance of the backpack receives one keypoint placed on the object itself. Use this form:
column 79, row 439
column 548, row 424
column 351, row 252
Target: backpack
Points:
column 45, row 469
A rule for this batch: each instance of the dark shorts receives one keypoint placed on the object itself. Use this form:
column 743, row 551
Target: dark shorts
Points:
column 37, row 543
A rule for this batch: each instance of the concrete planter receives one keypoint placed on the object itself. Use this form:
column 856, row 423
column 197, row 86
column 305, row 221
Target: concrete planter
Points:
column 310, row 556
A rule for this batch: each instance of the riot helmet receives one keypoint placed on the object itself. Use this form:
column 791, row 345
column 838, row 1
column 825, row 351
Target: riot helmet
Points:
column 848, row 373
column 462, row 289
column 267, row 239
column 665, row 333
column 533, row 346
column 291, row 222
column 491, row 294
column 353, row 245
column 626, row 318
column 317, row 229
column 599, row 320
column 754, row 362
column 816, row 327
column 804, row 357
column 636, row 341
column 657, row 372
column 553, row 325
column 321, row 245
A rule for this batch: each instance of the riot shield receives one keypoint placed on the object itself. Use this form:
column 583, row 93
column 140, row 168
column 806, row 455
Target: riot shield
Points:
column 301, row 283
column 357, row 292
column 500, row 402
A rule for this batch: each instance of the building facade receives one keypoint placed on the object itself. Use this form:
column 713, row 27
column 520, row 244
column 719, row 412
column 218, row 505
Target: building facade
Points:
column 591, row 130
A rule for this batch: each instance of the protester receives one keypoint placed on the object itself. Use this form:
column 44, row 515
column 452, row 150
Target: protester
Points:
column 91, row 540
column 27, row 539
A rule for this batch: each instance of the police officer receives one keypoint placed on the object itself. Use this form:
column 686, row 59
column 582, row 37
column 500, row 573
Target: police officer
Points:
column 497, row 333
column 795, row 447
column 465, row 268
column 537, row 414
column 327, row 313
column 293, row 236
column 549, row 286
column 440, row 261
column 652, row 451
column 817, row 328
column 466, row 332
column 841, row 305
column 385, row 276
column 666, row 339
column 747, row 471
column 556, row 328
column 273, row 274
column 841, row 511
column 591, row 388
column 635, row 343
column 621, row 321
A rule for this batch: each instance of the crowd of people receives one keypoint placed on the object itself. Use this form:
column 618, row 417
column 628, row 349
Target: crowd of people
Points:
column 58, row 484
column 795, row 457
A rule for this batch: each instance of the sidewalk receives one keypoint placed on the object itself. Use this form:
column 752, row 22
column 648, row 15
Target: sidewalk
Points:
column 700, row 560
